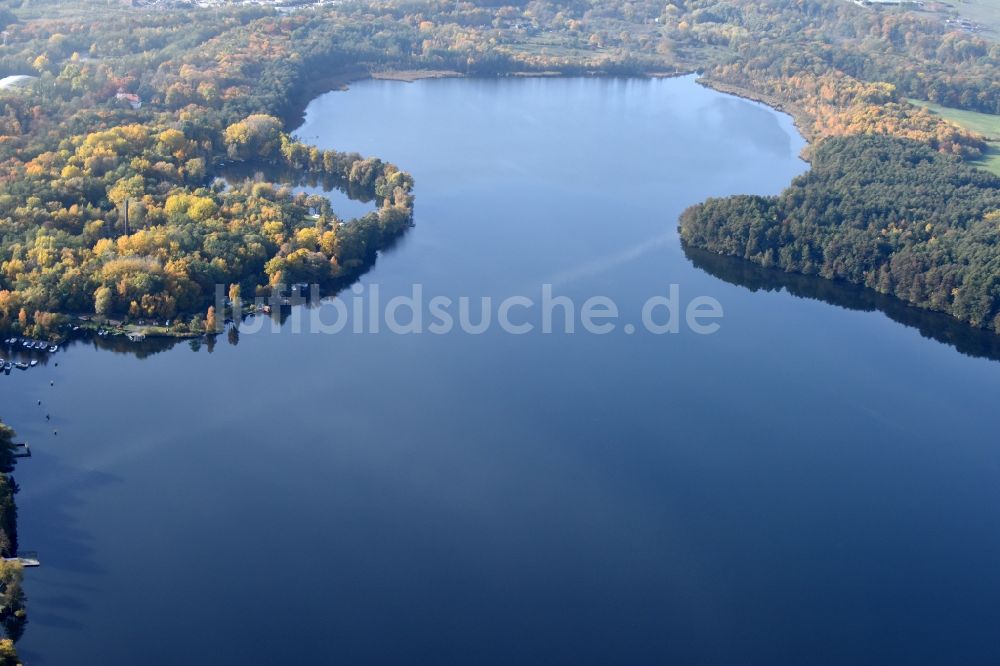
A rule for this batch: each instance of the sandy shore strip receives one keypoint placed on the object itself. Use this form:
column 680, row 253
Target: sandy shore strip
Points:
column 411, row 75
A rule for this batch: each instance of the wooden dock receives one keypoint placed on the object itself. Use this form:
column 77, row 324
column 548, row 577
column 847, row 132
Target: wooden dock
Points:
column 28, row 559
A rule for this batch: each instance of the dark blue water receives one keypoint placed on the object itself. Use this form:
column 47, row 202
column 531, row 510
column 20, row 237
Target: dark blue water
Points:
column 810, row 484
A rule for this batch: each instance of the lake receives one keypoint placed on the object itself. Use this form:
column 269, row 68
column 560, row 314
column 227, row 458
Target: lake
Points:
column 816, row 481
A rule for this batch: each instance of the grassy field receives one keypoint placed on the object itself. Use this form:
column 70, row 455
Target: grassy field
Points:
column 983, row 123
column 984, row 12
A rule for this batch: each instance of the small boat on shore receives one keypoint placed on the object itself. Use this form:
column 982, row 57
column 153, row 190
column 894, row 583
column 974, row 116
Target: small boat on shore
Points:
column 53, row 349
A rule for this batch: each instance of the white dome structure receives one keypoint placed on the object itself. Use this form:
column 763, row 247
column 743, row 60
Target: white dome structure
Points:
column 16, row 81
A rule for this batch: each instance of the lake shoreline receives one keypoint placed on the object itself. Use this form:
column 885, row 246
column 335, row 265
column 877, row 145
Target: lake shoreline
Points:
column 341, row 80
column 799, row 117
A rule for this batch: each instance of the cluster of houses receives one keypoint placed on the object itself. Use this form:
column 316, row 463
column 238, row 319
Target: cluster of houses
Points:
column 964, row 24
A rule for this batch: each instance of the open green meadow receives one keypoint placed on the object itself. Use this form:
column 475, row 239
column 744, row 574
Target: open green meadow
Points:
column 984, row 123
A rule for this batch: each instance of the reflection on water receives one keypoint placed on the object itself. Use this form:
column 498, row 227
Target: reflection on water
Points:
column 756, row 120
column 348, row 201
column 152, row 345
column 970, row 341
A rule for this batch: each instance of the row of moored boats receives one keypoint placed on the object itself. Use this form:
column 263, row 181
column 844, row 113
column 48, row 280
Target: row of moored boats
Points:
column 36, row 345
column 7, row 366
column 32, row 344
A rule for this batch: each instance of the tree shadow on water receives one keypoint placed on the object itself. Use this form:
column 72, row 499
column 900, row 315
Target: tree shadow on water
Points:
column 974, row 342
column 58, row 591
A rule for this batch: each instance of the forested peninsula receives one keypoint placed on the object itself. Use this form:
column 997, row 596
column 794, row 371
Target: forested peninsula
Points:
column 887, row 213
column 142, row 107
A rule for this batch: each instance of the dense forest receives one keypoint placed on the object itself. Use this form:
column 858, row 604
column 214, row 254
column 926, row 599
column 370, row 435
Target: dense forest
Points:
column 109, row 138
column 144, row 105
column 887, row 213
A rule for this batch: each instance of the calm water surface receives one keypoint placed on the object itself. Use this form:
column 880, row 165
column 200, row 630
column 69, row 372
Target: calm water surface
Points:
column 810, row 484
